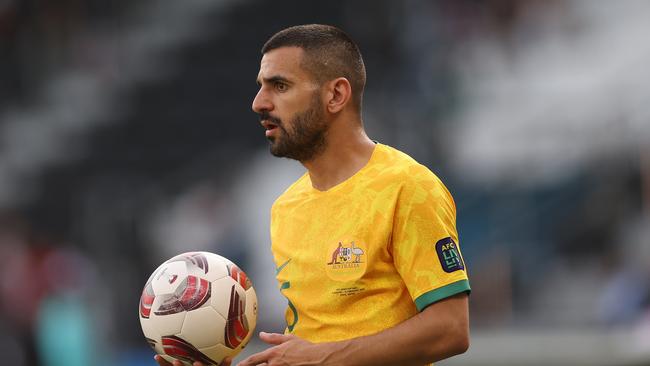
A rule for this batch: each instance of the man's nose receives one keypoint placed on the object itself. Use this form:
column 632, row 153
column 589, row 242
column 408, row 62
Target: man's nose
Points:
column 261, row 102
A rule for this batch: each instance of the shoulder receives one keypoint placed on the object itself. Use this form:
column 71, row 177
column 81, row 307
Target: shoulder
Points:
column 416, row 180
column 396, row 164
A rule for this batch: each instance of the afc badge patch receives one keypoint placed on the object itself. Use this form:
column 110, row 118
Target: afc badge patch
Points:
column 449, row 255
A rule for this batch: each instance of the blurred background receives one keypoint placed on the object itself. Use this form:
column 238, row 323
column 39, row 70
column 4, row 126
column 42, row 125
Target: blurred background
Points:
column 126, row 137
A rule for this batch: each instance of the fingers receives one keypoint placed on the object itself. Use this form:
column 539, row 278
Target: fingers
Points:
column 226, row 362
column 275, row 338
column 161, row 361
column 257, row 359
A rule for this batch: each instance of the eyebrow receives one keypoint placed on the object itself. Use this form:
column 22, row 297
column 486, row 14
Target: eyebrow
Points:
column 273, row 79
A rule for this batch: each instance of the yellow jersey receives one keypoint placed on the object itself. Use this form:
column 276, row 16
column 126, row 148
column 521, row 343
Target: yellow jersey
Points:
column 368, row 253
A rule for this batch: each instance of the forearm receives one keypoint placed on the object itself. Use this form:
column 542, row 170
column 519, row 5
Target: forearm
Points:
column 438, row 332
column 429, row 336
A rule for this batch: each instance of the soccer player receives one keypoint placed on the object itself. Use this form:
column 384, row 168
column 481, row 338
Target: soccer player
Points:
column 365, row 242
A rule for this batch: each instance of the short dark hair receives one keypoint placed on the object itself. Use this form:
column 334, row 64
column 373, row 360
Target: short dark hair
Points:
column 329, row 53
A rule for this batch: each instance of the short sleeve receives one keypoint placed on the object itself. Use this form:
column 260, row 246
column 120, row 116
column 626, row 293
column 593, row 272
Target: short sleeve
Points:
column 425, row 242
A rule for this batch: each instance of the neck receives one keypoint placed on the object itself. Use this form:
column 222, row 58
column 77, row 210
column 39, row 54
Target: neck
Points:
column 347, row 151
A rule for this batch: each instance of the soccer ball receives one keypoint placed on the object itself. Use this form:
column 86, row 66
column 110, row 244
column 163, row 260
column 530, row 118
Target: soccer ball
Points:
column 198, row 306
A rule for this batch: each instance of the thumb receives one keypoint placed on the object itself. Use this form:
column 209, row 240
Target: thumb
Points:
column 226, row 361
column 275, row 338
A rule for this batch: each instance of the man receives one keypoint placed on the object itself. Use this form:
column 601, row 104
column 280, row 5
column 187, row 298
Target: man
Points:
column 365, row 241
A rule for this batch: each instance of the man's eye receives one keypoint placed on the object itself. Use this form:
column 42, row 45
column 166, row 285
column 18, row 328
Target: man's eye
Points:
column 281, row 86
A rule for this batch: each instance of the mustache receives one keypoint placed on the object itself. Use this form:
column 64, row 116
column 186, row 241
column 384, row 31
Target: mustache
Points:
column 267, row 116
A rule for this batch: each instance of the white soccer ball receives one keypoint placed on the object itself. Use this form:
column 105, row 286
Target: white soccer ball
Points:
column 198, row 306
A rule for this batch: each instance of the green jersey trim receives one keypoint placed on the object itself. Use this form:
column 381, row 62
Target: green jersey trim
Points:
column 440, row 293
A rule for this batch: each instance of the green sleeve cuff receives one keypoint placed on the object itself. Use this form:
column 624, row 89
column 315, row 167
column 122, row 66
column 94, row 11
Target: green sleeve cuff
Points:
column 440, row 293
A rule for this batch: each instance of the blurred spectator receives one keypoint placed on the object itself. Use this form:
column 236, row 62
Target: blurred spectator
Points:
column 65, row 329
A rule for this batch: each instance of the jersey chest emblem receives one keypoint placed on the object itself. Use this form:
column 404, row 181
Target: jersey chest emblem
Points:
column 346, row 260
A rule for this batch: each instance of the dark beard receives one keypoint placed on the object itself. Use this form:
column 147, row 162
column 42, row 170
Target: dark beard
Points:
column 307, row 136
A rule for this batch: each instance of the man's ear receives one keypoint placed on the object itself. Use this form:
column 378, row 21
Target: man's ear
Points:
column 339, row 93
